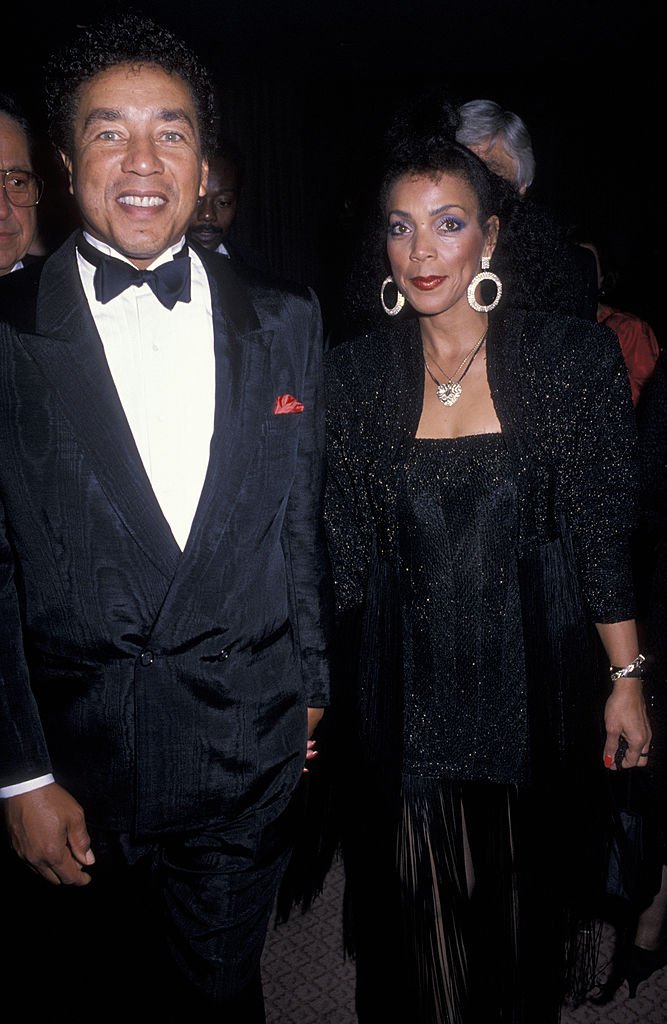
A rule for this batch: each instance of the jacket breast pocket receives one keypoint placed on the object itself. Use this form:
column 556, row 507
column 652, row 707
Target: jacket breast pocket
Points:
column 279, row 428
column 277, row 454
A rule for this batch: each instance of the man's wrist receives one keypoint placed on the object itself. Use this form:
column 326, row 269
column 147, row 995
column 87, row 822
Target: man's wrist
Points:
column 25, row 787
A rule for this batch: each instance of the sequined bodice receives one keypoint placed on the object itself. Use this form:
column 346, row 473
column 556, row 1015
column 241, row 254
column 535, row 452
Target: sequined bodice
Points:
column 456, row 527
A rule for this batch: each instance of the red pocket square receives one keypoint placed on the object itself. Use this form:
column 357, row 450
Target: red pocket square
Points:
column 287, row 403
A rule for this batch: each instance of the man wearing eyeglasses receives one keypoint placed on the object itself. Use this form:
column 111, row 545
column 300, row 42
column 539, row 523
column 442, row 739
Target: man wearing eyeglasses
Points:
column 20, row 190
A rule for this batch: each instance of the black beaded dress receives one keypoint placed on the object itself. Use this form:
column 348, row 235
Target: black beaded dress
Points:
column 462, row 646
column 453, row 792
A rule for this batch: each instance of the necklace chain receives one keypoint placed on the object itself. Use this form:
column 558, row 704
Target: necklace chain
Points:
column 451, row 377
column 450, row 392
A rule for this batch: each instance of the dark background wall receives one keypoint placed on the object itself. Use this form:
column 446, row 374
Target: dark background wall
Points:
column 306, row 91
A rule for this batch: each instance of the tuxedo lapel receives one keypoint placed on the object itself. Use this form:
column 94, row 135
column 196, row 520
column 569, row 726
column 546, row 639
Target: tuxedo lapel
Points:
column 68, row 349
column 243, row 369
column 242, row 360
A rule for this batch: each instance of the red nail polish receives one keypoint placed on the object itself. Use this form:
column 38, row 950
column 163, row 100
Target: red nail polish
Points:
column 608, row 760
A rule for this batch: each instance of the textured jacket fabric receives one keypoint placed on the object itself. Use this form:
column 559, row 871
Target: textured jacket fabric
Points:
column 165, row 689
column 561, row 393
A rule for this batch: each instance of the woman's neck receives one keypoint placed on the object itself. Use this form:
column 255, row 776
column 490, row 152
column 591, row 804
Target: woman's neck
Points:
column 448, row 338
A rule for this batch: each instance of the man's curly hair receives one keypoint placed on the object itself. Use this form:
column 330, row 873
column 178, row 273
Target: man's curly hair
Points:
column 130, row 38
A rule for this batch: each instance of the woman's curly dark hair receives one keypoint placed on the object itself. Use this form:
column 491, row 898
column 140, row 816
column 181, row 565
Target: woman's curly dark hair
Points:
column 129, row 38
column 533, row 256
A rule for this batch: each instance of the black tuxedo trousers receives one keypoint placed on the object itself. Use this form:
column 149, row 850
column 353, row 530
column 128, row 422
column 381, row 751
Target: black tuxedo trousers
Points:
column 169, row 929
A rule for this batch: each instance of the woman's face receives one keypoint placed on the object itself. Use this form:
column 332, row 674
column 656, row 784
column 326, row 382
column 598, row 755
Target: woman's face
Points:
column 434, row 240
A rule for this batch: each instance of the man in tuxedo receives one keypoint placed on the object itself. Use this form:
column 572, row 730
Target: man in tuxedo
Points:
column 21, row 189
column 164, row 592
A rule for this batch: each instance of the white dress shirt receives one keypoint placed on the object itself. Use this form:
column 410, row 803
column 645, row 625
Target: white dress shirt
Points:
column 163, row 365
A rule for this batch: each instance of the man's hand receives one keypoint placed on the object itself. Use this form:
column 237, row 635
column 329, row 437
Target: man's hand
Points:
column 314, row 716
column 47, row 830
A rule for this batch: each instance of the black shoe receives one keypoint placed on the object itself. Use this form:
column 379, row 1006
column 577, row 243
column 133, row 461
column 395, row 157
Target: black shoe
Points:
column 634, row 965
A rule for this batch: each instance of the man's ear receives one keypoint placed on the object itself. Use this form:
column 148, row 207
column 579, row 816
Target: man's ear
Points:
column 68, row 167
column 204, row 178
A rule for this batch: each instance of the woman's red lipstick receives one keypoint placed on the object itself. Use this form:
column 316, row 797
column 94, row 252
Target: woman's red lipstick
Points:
column 426, row 284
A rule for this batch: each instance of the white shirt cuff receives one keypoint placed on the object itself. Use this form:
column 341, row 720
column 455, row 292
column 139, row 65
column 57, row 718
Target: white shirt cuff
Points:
column 25, row 787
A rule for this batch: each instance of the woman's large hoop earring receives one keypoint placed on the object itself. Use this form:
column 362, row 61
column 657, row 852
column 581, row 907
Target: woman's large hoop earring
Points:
column 400, row 298
column 484, row 275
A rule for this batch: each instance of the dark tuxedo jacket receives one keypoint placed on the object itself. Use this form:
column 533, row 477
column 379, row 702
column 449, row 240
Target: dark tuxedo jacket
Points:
column 166, row 690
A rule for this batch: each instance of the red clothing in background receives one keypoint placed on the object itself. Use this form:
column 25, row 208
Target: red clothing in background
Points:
column 638, row 343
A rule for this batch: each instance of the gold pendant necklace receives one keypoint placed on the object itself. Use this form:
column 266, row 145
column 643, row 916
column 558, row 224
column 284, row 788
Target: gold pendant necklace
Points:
column 450, row 392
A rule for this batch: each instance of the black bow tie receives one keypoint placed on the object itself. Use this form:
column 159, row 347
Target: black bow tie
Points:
column 170, row 281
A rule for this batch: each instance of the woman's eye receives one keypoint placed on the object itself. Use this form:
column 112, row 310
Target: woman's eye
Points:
column 398, row 228
column 450, row 224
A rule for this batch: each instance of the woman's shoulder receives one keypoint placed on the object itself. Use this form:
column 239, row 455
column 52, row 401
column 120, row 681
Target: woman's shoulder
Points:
column 362, row 357
column 558, row 342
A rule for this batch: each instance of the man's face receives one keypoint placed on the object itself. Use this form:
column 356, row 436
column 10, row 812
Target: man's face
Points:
column 217, row 208
column 17, row 223
column 136, row 168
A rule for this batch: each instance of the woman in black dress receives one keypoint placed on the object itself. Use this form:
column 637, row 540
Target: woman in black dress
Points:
column 482, row 473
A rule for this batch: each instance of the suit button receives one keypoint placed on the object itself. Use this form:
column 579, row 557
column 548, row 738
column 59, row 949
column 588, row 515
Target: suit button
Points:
column 146, row 658
column 224, row 654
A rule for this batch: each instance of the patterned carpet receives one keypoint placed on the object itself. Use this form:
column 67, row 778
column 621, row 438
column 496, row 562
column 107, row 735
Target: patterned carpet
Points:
column 307, row 980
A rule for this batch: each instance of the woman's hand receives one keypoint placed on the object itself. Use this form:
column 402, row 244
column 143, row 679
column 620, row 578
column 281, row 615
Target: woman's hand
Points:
column 625, row 717
column 625, row 711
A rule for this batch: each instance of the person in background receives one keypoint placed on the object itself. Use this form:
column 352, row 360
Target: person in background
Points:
column 213, row 222
column 21, row 188
column 163, row 573
column 645, row 950
column 639, row 918
column 216, row 209
column 501, row 138
column 636, row 337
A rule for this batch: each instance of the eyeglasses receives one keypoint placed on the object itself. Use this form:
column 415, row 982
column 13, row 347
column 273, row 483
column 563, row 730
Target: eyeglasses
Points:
column 22, row 188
